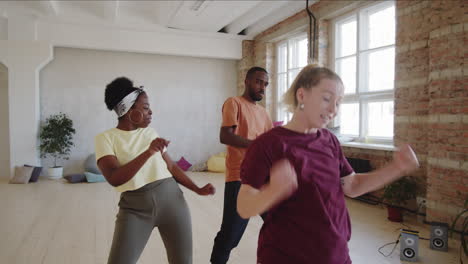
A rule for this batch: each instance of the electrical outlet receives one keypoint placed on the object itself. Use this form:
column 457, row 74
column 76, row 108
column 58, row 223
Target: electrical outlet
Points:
column 420, row 200
column 421, row 211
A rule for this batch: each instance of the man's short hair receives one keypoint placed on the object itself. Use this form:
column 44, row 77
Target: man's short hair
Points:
column 253, row 70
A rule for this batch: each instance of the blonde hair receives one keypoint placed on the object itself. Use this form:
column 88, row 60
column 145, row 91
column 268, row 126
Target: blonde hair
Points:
column 308, row 77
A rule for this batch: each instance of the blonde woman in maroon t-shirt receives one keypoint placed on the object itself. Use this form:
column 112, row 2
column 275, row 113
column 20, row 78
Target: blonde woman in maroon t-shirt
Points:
column 299, row 174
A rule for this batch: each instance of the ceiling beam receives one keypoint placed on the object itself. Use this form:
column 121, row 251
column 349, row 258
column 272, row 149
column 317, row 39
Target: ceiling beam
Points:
column 158, row 41
column 276, row 16
column 253, row 15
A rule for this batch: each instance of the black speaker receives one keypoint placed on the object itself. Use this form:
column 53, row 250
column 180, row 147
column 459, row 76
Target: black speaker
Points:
column 409, row 245
column 439, row 236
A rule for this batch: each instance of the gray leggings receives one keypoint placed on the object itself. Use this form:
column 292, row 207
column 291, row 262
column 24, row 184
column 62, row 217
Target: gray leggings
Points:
column 158, row 204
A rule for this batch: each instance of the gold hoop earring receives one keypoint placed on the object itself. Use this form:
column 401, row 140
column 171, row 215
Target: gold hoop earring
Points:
column 130, row 117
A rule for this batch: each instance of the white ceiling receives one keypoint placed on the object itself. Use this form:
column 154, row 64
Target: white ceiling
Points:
column 193, row 16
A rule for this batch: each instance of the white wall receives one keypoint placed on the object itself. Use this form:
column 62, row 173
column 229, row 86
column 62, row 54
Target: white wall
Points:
column 26, row 46
column 3, row 28
column 4, row 129
column 24, row 59
column 186, row 96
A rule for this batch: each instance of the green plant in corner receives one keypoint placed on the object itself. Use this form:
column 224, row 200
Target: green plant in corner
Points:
column 56, row 137
column 397, row 194
column 464, row 230
column 401, row 191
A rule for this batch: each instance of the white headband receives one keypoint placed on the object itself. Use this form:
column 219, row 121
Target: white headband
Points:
column 127, row 102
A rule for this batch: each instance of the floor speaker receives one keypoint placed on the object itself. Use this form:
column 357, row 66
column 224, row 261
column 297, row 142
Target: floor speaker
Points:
column 409, row 245
column 439, row 236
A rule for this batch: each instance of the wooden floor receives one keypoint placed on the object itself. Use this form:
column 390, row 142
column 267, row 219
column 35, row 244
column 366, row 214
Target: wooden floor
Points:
column 58, row 223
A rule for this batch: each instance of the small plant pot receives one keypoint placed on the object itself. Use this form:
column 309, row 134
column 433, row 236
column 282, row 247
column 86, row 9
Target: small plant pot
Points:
column 55, row 173
column 394, row 214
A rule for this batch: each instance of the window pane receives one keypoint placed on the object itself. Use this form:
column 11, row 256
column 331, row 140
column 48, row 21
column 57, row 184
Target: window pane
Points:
column 292, row 76
column 380, row 120
column 282, row 85
column 292, row 60
column 287, row 118
column 282, row 88
column 346, row 69
column 347, row 33
column 282, row 57
column 297, row 53
column 381, row 69
column 349, row 119
column 284, row 115
column 303, row 53
column 381, row 29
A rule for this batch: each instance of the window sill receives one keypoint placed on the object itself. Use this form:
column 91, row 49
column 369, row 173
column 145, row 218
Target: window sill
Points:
column 362, row 145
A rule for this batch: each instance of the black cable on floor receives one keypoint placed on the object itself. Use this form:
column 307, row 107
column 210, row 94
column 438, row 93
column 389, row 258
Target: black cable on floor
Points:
column 396, row 243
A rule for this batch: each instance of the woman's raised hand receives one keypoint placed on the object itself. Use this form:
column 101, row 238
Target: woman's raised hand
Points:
column 158, row 145
column 283, row 178
column 405, row 159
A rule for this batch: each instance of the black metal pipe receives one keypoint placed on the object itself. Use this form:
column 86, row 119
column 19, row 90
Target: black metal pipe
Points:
column 313, row 36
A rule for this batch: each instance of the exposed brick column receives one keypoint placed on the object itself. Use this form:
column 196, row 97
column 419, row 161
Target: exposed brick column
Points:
column 431, row 98
column 411, row 79
column 448, row 112
column 244, row 64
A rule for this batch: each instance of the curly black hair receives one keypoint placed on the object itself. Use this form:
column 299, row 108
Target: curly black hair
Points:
column 117, row 90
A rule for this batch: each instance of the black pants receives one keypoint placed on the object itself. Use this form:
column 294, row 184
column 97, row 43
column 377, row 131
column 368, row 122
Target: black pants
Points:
column 232, row 227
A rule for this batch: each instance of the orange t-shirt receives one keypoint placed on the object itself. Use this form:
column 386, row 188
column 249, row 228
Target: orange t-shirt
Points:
column 251, row 120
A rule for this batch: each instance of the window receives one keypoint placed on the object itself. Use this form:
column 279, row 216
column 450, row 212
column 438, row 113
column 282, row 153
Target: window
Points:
column 364, row 57
column 292, row 56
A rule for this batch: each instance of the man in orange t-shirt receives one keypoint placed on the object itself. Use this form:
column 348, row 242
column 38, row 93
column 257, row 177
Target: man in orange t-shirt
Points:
column 243, row 121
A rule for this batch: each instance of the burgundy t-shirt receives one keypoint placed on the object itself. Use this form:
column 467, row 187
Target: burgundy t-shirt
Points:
column 312, row 225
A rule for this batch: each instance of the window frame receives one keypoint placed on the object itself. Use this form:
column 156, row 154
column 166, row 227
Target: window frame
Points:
column 362, row 95
column 280, row 109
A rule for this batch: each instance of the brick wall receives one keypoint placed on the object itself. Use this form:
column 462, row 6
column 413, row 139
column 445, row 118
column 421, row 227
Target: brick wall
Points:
column 448, row 110
column 432, row 98
column 431, row 90
column 411, row 71
column 244, row 64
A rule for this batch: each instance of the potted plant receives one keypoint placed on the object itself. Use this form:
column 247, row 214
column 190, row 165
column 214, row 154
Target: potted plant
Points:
column 56, row 141
column 397, row 194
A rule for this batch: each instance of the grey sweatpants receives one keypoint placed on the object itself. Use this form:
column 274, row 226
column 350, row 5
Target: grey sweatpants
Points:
column 158, row 204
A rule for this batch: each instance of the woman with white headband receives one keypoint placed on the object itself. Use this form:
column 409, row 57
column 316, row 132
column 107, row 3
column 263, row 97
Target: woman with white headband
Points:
column 133, row 159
